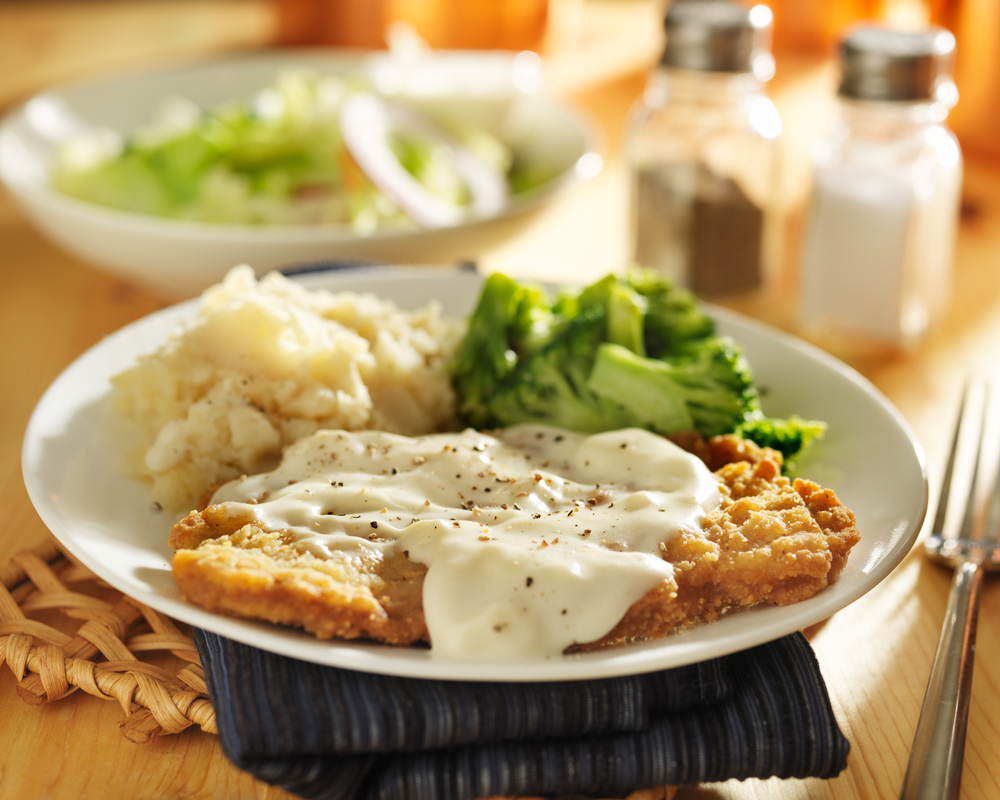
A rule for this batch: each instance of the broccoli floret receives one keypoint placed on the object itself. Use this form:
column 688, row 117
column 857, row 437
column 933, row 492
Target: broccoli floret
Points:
column 707, row 388
column 485, row 355
column 788, row 436
column 551, row 386
column 627, row 351
column 673, row 318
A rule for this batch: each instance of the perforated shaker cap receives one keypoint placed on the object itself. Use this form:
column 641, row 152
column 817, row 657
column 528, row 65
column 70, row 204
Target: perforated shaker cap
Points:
column 719, row 36
column 883, row 64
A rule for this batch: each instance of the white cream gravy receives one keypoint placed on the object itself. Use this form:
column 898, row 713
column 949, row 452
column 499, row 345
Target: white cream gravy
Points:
column 535, row 538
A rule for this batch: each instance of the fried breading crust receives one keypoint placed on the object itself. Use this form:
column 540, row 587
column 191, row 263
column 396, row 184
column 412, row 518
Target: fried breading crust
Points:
column 771, row 540
column 230, row 565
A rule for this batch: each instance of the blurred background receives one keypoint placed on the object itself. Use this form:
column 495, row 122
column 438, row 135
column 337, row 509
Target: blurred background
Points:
column 597, row 54
column 46, row 41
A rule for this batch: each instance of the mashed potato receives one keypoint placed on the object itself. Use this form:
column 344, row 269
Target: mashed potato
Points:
column 266, row 363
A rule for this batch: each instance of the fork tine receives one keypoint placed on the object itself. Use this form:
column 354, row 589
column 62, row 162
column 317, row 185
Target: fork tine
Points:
column 969, row 517
column 991, row 524
column 967, row 528
column 940, row 516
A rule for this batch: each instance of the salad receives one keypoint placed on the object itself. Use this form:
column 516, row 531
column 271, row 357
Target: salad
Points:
column 307, row 149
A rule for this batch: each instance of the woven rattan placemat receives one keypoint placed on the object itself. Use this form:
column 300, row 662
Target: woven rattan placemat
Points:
column 62, row 629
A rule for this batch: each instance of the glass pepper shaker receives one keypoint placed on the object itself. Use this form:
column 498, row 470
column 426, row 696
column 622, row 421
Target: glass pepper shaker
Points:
column 701, row 147
column 880, row 232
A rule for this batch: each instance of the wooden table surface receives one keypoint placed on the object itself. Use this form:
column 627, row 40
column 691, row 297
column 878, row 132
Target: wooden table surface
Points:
column 875, row 654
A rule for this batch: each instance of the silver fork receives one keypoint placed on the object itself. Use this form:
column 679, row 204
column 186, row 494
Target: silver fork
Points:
column 935, row 766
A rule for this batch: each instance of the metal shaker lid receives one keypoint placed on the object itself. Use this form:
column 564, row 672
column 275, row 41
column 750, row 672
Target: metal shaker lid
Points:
column 719, row 36
column 884, row 64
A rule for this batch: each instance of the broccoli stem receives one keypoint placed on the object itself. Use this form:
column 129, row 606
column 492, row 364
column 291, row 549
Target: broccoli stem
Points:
column 626, row 314
column 643, row 386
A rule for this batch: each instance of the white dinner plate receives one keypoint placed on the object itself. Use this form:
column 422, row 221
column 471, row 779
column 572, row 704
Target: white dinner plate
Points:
column 74, row 447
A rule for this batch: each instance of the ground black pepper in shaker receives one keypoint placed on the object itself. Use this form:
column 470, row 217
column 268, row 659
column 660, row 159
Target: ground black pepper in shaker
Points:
column 701, row 149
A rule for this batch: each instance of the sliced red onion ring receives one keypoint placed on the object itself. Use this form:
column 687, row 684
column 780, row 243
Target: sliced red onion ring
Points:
column 366, row 121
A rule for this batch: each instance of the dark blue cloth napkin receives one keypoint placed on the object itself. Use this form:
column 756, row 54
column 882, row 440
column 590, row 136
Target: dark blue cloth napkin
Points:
column 332, row 734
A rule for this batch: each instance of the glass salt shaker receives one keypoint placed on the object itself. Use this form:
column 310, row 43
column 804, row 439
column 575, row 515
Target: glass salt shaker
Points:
column 702, row 150
column 876, row 259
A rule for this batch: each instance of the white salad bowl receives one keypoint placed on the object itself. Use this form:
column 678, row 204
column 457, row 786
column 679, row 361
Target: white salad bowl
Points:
column 497, row 92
